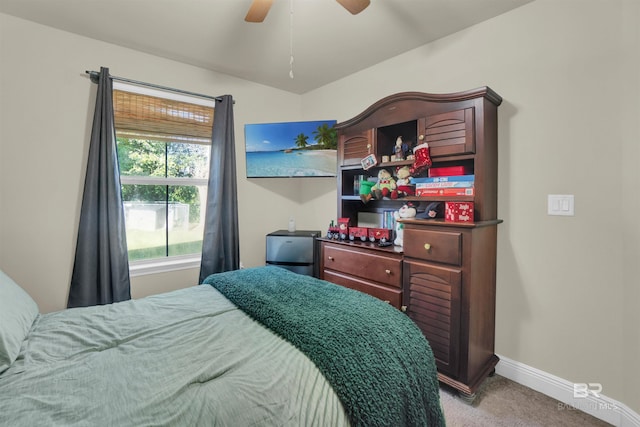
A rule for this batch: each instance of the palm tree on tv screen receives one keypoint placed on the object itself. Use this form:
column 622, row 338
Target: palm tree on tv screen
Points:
column 326, row 136
column 301, row 140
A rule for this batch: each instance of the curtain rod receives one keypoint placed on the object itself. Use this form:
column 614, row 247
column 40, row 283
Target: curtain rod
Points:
column 95, row 76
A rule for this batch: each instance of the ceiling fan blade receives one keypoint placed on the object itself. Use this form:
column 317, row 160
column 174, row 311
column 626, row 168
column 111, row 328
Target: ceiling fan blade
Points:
column 258, row 10
column 354, row 6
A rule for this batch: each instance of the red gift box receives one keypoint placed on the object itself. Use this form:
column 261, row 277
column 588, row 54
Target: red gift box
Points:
column 458, row 211
column 450, row 171
column 379, row 234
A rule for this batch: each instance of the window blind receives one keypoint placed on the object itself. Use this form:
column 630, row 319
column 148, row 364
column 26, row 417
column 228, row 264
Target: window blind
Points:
column 140, row 116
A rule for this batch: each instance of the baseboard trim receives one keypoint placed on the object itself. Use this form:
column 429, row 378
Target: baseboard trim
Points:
column 601, row 407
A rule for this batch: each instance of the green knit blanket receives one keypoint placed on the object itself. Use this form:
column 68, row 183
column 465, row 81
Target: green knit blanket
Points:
column 375, row 358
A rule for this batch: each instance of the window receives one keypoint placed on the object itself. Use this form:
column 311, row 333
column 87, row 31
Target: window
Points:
column 163, row 154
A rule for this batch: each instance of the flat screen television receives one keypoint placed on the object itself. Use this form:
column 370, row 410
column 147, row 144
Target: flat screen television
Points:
column 291, row 149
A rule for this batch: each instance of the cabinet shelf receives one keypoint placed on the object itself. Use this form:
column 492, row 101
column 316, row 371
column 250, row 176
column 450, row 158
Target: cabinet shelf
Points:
column 393, row 165
column 364, row 245
column 381, row 165
column 439, row 199
column 442, row 223
column 414, row 199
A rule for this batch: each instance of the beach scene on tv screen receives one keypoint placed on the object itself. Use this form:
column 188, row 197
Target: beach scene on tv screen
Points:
column 291, row 149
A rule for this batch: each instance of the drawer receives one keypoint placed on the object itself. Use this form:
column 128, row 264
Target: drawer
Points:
column 363, row 264
column 432, row 245
column 391, row 295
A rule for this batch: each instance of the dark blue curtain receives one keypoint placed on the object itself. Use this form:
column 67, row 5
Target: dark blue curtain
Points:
column 220, row 246
column 101, row 267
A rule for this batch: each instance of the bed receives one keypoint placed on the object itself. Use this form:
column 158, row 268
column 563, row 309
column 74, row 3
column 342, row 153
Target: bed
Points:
column 254, row 347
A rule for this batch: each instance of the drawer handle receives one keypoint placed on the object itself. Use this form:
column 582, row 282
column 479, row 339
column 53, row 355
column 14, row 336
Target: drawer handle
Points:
column 330, row 258
column 387, row 271
column 421, row 137
column 427, row 246
column 403, row 308
column 387, row 301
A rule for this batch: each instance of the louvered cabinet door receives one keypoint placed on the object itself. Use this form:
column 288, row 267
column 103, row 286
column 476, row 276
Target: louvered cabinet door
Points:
column 352, row 148
column 434, row 294
column 449, row 133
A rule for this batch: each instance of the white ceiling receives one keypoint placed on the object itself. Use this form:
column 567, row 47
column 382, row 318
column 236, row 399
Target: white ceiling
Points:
column 328, row 42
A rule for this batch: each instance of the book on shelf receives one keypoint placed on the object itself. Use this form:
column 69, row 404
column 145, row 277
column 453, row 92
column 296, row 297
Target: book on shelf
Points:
column 357, row 180
column 453, row 191
column 453, row 178
column 446, row 184
column 388, row 219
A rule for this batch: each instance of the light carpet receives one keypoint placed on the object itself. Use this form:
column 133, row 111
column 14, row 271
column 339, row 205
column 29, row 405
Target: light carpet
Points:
column 502, row 402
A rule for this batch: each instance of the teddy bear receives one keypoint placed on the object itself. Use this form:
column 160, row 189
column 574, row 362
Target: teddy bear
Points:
column 406, row 211
column 384, row 187
column 405, row 182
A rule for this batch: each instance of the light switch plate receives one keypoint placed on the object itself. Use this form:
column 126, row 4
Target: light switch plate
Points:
column 560, row 204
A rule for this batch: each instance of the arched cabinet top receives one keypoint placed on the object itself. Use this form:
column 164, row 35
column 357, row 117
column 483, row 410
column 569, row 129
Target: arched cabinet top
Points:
column 426, row 98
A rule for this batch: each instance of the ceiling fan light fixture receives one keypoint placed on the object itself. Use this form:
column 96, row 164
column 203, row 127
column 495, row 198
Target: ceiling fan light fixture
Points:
column 258, row 10
column 354, row 6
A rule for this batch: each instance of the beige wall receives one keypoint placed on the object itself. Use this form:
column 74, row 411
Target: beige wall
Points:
column 46, row 108
column 568, row 71
column 568, row 297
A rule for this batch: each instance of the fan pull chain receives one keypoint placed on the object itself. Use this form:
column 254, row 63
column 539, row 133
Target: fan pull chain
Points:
column 291, row 38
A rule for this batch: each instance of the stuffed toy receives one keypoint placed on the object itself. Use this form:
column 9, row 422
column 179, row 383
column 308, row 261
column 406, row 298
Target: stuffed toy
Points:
column 405, row 182
column 400, row 149
column 433, row 210
column 406, row 211
column 404, row 176
column 397, row 150
column 385, row 187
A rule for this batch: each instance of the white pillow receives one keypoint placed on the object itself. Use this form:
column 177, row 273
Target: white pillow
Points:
column 17, row 313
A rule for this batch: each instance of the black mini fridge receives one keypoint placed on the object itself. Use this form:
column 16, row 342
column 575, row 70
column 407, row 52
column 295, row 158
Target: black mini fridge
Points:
column 294, row 250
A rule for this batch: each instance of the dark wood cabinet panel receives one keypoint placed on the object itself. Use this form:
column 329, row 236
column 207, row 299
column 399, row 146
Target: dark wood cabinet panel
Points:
column 354, row 147
column 444, row 276
column 456, row 297
column 434, row 245
column 449, row 133
column 364, row 268
column 385, row 293
column 461, row 129
column 364, row 264
column 433, row 303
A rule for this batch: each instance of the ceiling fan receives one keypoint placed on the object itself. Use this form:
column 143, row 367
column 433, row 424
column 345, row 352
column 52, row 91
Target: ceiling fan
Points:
column 259, row 8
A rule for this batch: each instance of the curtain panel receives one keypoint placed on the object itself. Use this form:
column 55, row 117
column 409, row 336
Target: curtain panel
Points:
column 101, row 267
column 220, row 244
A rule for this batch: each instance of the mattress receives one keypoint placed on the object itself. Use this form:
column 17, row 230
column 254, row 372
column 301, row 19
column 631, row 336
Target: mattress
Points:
column 253, row 347
column 187, row 358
